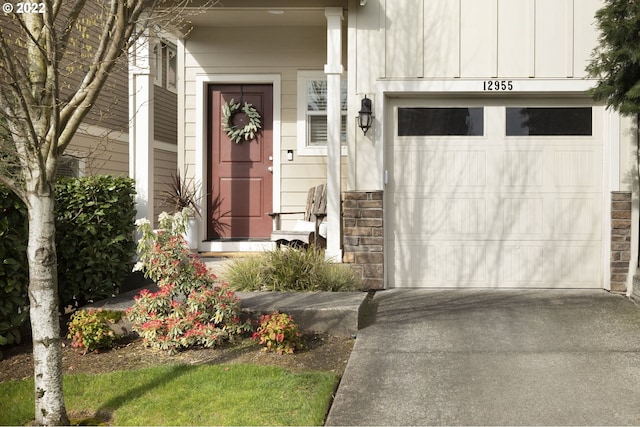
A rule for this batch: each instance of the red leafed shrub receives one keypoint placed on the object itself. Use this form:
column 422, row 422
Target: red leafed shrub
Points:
column 278, row 332
column 90, row 330
column 190, row 308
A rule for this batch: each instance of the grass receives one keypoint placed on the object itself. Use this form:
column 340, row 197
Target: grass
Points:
column 185, row 395
column 291, row 270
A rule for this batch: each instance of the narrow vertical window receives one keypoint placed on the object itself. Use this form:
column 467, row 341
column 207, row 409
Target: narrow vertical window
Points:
column 156, row 62
column 172, row 68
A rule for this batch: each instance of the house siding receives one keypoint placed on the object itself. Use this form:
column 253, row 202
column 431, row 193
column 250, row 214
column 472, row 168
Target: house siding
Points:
column 473, row 39
column 165, row 120
column 165, row 164
column 283, row 51
column 106, row 152
column 112, row 107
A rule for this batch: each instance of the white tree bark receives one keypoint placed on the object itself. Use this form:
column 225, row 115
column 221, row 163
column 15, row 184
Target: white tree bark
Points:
column 45, row 323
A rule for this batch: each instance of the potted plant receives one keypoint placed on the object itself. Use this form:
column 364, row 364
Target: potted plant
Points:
column 183, row 193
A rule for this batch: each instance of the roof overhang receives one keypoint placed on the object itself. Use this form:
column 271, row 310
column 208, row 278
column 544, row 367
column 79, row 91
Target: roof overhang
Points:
column 257, row 13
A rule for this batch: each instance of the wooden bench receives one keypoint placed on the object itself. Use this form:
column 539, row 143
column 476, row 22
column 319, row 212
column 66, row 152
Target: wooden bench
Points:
column 307, row 230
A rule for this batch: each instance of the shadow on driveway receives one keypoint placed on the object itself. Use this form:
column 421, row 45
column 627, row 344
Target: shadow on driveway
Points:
column 494, row 357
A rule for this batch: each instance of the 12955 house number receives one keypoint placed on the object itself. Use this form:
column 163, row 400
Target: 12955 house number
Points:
column 497, row 85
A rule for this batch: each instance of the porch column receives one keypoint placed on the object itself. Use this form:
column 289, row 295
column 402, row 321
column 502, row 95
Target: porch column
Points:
column 333, row 69
column 141, row 133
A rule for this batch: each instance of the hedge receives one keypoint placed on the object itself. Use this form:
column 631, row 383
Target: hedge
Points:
column 13, row 269
column 94, row 241
column 94, row 236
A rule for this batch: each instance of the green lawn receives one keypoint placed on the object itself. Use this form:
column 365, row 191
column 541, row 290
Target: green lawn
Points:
column 186, row 395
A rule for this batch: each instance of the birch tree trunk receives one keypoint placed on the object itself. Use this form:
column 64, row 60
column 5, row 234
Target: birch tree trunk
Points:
column 45, row 323
column 39, row 182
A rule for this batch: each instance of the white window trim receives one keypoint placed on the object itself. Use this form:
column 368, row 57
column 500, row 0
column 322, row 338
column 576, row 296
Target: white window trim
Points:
column 303, row 148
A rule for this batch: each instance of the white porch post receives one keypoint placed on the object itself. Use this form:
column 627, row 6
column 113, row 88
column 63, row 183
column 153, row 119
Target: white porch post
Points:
column 333, row 69
column 141, row 133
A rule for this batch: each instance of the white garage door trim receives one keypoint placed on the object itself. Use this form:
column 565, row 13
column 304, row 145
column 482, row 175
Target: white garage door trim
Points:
column 489, row 260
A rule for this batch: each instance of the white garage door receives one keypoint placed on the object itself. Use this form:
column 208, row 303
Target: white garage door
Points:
column 502, row 195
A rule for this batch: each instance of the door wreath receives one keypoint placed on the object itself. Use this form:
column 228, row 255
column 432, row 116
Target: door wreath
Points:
column 239, row 134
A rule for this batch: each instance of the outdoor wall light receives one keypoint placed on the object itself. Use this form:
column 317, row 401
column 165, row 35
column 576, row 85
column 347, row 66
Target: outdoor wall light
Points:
column 365, row 116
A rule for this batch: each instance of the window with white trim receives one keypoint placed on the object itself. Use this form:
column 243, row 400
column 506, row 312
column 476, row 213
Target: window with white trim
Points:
column 156, row 61
column 172, row 68
column 165, row 65
column 312, row 113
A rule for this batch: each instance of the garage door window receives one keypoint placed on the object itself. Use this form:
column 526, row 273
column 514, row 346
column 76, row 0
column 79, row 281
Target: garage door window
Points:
column 441, row 121
column 522, row 121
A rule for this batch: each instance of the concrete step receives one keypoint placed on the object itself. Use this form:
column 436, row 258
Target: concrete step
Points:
column 333, row 313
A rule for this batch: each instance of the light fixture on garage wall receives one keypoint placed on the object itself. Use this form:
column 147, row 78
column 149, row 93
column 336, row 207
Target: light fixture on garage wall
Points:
column 365, row 115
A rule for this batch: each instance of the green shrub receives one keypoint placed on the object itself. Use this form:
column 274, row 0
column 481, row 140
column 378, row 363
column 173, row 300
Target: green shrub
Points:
column 278, row 332
column 190, row 308
column 89, row 330
column 14, row 277
column 291, row 270
column 94, row 236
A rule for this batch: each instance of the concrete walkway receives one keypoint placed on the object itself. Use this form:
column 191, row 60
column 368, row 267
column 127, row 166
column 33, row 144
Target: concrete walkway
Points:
column 494, row 357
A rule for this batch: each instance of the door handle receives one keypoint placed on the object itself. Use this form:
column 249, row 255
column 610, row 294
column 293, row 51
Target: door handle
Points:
column 270, row 169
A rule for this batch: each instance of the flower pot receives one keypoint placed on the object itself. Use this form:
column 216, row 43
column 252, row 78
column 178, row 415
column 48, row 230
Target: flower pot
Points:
column 191, row 235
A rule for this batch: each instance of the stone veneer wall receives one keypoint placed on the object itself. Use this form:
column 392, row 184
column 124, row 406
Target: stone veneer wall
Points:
column 620, row 239
column 363, row 241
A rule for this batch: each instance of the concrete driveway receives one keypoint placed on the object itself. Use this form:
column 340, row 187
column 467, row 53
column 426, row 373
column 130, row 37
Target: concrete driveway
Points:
column 494, row 357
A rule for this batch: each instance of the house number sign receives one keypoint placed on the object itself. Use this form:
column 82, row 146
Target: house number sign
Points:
column 497, row 85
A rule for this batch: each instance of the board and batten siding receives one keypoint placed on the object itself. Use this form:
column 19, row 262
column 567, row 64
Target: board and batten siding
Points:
column 267, row 50
column 443, row 39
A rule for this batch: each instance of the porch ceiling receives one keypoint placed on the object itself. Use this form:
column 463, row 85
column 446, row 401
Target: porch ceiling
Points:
column 264, row 14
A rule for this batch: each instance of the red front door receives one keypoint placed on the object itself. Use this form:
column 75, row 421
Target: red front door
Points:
column 240, row 184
